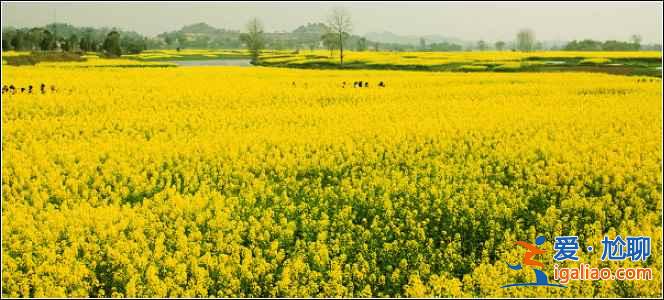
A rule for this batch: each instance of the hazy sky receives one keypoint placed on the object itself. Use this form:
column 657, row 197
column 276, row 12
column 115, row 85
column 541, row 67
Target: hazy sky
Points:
column 468, row 21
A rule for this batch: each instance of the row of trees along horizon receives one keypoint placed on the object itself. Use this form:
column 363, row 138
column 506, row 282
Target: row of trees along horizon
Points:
column 335, row 34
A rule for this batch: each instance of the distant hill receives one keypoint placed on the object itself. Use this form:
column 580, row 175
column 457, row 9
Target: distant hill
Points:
column 202, row 35
column 201, row 28
column 313, row 29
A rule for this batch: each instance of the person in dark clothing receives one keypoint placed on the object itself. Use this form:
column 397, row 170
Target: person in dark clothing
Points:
column 42, row 88
column 381, row 84
column 30, row 89
column 5, row 89
column 22, row 90
column 12, row 89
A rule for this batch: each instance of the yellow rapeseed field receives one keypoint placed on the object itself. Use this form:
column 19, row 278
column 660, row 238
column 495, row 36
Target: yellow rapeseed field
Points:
column 444, row 58
column 253, row 182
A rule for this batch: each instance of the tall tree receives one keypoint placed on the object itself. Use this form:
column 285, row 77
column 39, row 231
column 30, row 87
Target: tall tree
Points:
column 18, row 41
column 168, row 40
column 34, row 38
column 525, row 40
column 362, row 44
column 254, row 38
column 72, row 42
column 48, row 41
column 7, row 36
column 112, row 44
column 500, row 45
column 84, row 43
column 330, row 42
column 339, row 23
column 181, row 39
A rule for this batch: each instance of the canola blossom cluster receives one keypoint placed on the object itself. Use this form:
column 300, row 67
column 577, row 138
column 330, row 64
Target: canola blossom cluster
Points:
column 257, row 182
column 169, row 54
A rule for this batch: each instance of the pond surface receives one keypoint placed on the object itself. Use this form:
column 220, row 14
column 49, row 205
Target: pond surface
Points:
column 213, row 62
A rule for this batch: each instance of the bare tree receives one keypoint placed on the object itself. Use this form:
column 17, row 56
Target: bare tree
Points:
column 254, row 38
column 525, row 40
column 340, row 24
column 423, row 44
column 482, row 45
column 636, row 40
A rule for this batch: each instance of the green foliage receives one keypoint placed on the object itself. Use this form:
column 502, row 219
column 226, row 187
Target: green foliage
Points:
column 594, row 61
column 70, row 38
column 112, row 44
column 445, row 46
column 37, row 57
column 592, row 45
column 362, row 44
column 473, row 68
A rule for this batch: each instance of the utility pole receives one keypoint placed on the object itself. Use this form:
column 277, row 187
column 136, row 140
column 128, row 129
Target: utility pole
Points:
column 55, row 27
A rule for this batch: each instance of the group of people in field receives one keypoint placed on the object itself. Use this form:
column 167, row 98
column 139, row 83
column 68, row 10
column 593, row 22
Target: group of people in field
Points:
column 356, row 84
column 359, row 84
column 11, row 89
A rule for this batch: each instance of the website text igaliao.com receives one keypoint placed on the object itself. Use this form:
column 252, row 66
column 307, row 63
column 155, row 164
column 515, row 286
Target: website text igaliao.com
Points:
column 585, row 272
